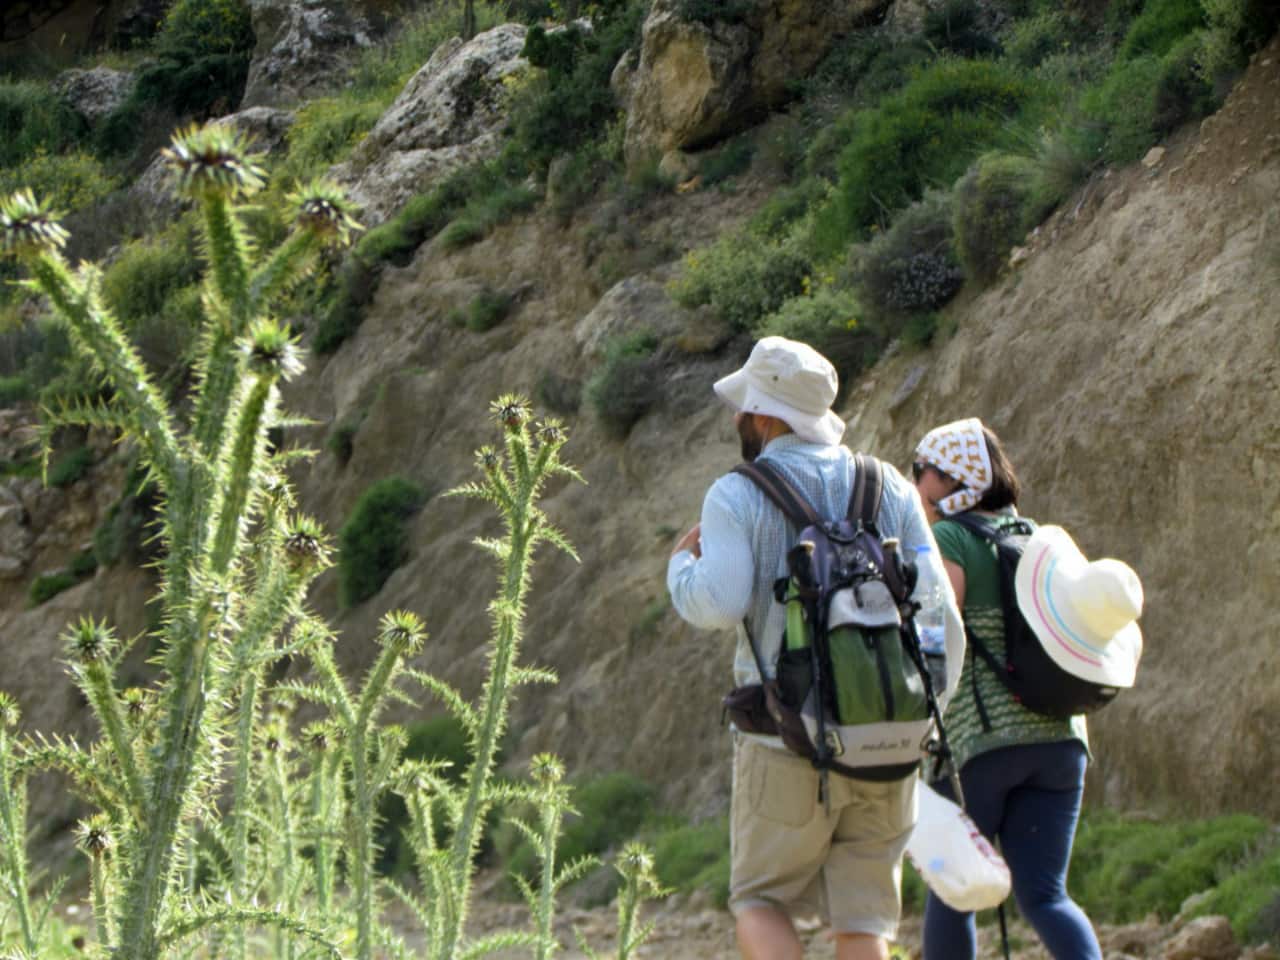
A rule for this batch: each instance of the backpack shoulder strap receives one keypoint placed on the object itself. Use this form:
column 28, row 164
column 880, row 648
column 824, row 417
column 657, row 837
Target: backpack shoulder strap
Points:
column 780, row 491
column 868, row 484
column 975, row 525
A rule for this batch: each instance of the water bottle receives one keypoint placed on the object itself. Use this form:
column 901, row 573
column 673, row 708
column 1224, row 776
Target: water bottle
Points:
column 931, row 618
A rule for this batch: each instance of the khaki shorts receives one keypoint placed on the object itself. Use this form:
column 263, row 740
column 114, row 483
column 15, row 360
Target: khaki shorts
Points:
column 788, row 852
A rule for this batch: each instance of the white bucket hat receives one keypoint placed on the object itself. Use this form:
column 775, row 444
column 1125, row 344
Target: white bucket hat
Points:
column 791, row 381
column 1084, row 614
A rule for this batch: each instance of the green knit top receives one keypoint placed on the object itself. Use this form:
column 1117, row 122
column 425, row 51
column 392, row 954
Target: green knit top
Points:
column 1011, row 723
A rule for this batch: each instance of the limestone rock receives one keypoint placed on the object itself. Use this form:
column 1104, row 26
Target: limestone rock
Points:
column 695, row 82
column 94, row 93
column 448, row 114
column 15, row 535
column 302, row 46
column 264, row 126
column 1204, row 938
column 631, row 305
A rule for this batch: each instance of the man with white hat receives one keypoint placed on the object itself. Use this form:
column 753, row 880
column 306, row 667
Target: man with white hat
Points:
column 793, row 855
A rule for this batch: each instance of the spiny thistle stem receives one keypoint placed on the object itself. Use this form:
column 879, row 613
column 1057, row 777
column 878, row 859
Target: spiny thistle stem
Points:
column 13, row 830
column 553, row 801
column 514, row 487
column 278, row 747
column 95, row 840
column 91, row 645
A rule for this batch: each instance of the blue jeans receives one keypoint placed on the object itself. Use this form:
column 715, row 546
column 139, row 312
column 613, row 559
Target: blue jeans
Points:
column 1028, row 798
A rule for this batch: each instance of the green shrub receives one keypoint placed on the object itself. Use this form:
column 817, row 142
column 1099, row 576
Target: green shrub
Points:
column 726, row 162
column 68, row 181
column 570, row 103
column 374, row 541
column 692, row 857
column 487, row 309
column 1236, row 29
column 147, row 272
column 992, row 212
column 1031, row 41
column 70, row 467
column 33, row 119
column 743, row 276
column 84, row 563
column 1160, row 26
column 626, row 384
column 611, row 809
column 1143, row 99
column 911, row 267
column 1250, row 896
column 342, row 315
column 561, row 395
column 830, row 320
column 462, row 233
column 957, row 26
column 341, row 440
column 325, row 131
column 711, row 12
column 1123, row 869
column 49, row 585
column 15, row 390
column 925, row 134
column 124, row 533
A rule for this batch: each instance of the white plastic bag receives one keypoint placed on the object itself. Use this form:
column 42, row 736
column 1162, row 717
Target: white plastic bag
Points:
column 955, row 859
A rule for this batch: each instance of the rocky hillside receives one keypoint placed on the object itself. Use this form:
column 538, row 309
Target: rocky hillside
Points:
column 1128, row 358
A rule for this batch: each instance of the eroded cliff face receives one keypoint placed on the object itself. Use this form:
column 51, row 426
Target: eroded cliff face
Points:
column 1130, row 363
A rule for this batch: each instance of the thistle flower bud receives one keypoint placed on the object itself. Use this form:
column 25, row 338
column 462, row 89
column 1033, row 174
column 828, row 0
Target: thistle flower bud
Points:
column 305, row 545
column 552, row 433
column 28, row 227
column 511, row 411
column 323, row 208
column 488, row 459
column 402, row 631
column 89, row 641
column 320, row 735
column 93, row 836
column 272, row 352
column 212, row 161
column 635, row 861
column 10, row 714
column 546, row 769
column 135, row 703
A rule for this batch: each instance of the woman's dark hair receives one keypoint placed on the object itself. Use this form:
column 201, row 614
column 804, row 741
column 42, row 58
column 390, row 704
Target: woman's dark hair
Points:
column 1005, row 488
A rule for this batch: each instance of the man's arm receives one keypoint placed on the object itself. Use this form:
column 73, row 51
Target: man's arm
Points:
column 710, row 578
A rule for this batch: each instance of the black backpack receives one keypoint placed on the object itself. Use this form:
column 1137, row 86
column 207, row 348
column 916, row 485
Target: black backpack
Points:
column 852, row 692
column 1030, row 674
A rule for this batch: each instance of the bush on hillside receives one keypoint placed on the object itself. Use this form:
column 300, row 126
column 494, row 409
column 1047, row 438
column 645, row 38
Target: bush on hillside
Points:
column 1236, row 29
column 957, row 26
column 375, row 541
column 570, row 103
column 34, row 119
column 1123, row 869
column 695, row 856
column 928, row 133
column 743, row 277
column 48, row 585
column 912, row 267
column 992, row 211
column 1160, row 26
column 830, row 319
column 324, row 131
column 1030, row 42
column 66, row 181
column 626, row 384
column 487, row 309
column 1250, row 896
column 70, row 467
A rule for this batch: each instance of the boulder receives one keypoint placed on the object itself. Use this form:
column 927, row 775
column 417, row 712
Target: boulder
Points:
column 1204, row 938
column 94, row 93
column 303, row 45
column 450, row 113
column 695, row 82
column 264, row 126
column 15, row 535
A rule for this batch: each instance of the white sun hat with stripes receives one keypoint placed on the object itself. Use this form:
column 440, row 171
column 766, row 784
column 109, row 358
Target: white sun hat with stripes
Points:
column 1083, row 612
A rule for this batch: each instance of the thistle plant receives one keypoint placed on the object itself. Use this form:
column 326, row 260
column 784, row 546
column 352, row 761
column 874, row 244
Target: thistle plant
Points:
column 639, row 884
column 223, row 601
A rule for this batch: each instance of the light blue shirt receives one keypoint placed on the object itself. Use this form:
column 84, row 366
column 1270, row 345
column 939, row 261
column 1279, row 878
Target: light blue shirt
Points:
column 745, row 538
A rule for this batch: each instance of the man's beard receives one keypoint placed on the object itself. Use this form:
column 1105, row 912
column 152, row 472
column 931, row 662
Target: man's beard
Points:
column 749, row 438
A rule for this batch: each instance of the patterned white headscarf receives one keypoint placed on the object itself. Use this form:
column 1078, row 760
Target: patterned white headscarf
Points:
column 959, row 450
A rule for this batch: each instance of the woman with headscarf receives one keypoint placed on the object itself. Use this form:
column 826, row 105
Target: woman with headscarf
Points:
column 1022, row 773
